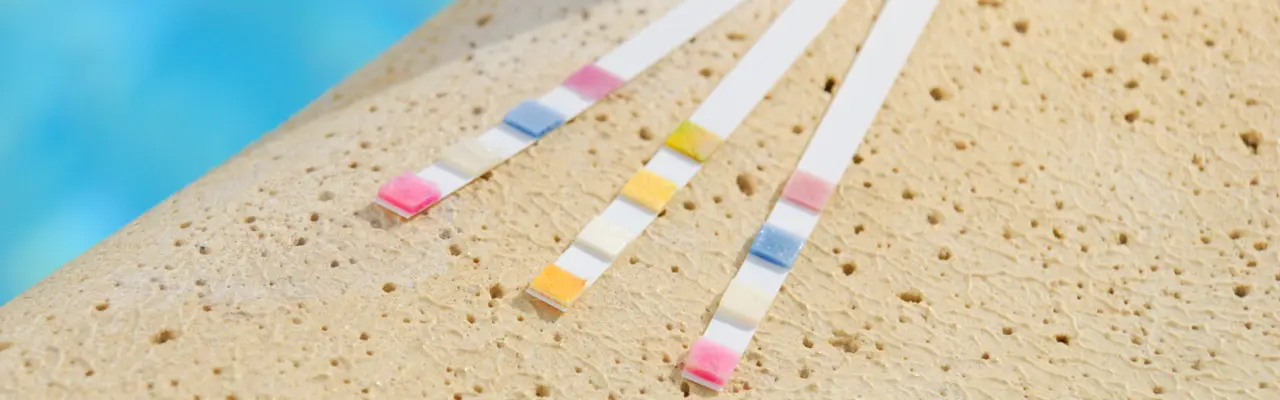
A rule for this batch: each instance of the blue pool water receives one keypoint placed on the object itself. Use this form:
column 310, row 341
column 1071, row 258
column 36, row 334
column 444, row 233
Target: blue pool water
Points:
column 108, row 107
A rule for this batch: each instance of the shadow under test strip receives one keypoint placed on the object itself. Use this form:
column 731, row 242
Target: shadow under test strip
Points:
column 646, row 194
column 410, row 193
column 774, row 249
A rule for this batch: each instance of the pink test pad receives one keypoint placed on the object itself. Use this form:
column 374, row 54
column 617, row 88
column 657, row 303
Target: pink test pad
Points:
column 409, row 193
column 808, row 190
column 710, row 364
column 593, row 82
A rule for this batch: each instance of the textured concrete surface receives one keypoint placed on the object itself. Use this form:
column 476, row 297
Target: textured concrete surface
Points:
column 1059, row 200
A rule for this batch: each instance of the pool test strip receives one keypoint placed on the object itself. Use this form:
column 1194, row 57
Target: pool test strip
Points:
column 645, row 195
column 410, row 193
column 774, row 249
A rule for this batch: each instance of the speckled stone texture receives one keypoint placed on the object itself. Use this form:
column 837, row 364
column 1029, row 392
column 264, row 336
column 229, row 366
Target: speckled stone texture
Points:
column 1061, row 199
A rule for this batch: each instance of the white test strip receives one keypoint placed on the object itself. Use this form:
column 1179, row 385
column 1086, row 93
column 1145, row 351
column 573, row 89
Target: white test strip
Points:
column 410, row 194
column 645, row 195
column 712, row 359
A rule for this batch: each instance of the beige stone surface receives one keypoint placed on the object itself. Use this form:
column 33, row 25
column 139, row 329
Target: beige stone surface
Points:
column 1061, row 199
